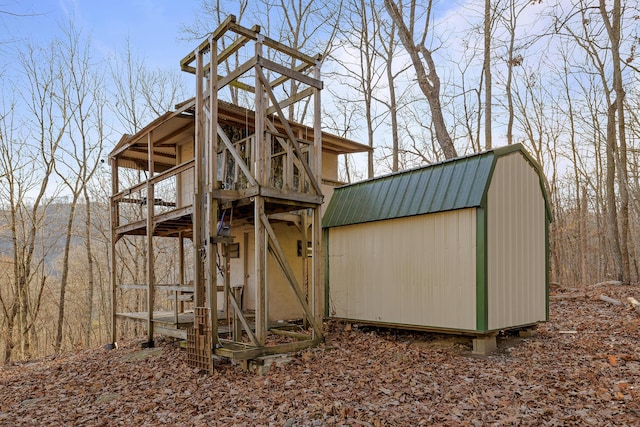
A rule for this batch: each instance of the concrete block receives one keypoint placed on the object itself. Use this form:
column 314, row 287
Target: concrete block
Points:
column 485, row 344
column 527, row 333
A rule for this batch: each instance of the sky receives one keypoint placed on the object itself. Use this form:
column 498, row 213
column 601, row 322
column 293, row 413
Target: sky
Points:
column 154, row 31
column 152, row 26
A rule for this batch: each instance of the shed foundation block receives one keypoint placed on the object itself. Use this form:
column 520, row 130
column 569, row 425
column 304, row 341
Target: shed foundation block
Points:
column 484, row 344
column 527, row 333
column 263, row 364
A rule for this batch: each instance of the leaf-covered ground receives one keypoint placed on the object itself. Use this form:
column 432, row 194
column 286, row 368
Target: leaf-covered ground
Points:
column 581, row 368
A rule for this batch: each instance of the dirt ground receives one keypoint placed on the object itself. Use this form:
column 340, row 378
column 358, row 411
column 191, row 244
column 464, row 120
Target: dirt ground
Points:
column 580, row 368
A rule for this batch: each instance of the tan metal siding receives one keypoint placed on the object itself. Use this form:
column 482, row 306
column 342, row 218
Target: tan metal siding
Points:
column 516, row 244
column 185, row 179
column 417, row 270
column 282, row 303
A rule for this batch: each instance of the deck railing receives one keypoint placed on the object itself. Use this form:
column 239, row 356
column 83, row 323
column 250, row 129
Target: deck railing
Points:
column 130, row 204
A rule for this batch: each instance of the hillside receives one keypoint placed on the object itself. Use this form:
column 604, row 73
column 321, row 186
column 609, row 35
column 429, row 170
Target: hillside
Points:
column 581, row 368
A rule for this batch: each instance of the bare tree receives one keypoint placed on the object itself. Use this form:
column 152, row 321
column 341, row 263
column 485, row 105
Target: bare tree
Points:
column 28, row 159
column 599, row 33
column 387, row 50
column 513, row 59
column 356, row 69
column 424, row 65
column 79, row 159
column 141, row 93
column 612, row 22
column 486, row 68
column 211, row 14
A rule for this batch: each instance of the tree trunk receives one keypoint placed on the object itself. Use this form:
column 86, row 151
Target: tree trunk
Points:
column 10, row 340
column 393, row 106
column 65, row 275
column 611, row 208
column 613, row 30
column 487, row 74
column 428, row 79
column 90, row 284
column 584, row 259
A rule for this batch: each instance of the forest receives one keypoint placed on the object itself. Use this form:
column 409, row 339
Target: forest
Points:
column 417, row 81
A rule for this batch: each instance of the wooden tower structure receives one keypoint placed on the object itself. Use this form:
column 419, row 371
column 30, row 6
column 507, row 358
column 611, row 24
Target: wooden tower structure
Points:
column 230, row 166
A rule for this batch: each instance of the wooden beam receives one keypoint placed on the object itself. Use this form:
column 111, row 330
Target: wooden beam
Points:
column 157, row 177
column 281, row 260
column 292, row 99
column 317, row 256
column 291, row 52
column 211, row 169
column 199, row 173
column 238, row 353
column 223, row 27
column 175, row 288
column 243, row 320
column 260, row 272
column 317, row 270
column 114, row 220
column 232, row 48
column 239, row 71
column 170, row 158
column 204, row 46
column 140, row 135
column 238, row 84
column 287, row 217
column 292, row 74
column 238, row 159
column 150, row 251
column 290, row 134
column 253, row 33
column 291, row 334
column 290, row 196
column 170, row 135
column 132, row 286
column 283, row 79
column 180, row 334
column 172, row 214
column 231, row 195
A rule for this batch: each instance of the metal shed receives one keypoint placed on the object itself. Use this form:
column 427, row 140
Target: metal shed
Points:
column 459, row 246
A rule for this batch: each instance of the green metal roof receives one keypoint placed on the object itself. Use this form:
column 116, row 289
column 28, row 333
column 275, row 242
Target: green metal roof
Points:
column 458, row 183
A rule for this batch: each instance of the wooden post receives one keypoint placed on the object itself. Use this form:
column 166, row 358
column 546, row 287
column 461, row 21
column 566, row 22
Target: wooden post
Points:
column 198, row 285
column 212, row 185
column 317, row 282
column 259, row 232
column 179, row 304
column 304, row 239
column 260, row 265
column 237, row 326
column 150, row 257
column 114, row 220
column 227, row 283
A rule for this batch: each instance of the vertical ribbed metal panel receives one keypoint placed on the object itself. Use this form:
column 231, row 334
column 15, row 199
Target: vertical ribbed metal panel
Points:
column 417, row 270
column 282, row 304
column 516, row 285
column 185, row 179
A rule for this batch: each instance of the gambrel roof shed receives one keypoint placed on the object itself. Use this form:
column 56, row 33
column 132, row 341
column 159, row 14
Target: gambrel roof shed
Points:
column 459, row 245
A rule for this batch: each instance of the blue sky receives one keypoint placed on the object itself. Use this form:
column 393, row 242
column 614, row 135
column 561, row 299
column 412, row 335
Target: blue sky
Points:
column 153, row 26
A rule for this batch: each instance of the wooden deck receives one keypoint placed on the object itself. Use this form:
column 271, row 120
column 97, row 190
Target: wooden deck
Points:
column 165, row 317
column 167, row 224
column 165, row 324
column 180, row 220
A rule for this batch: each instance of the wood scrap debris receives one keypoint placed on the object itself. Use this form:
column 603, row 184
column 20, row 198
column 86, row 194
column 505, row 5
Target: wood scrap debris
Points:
column 634, row 303
column 609, row 300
